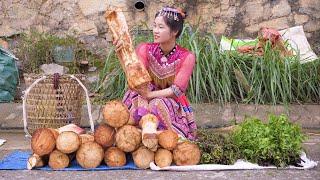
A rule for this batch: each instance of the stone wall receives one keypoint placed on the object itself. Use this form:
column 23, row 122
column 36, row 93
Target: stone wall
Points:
column 206, row 115
column 84, row 19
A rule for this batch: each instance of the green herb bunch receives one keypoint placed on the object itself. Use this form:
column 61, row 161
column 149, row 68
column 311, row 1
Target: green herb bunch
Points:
column 288, row 138
column 216, row 148
column 279, row 142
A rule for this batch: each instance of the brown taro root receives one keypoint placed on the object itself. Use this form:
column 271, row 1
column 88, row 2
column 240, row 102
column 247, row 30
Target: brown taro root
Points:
column 149, row 124
column 35, row 161
column 86, row 138
column 68, row 142
column 142, row 157
column 186, row 153
column 58, row 160
column 131, row 121
column 43, row 141
column 116, row 114
column 163, row 158
column 114, row 157
column 128, row 138
column 104, row 135
column 168, row 139
column 90, row 155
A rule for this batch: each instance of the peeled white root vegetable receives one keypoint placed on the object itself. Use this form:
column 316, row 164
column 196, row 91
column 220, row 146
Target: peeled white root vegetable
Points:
column 149, row 124
column 35, row 161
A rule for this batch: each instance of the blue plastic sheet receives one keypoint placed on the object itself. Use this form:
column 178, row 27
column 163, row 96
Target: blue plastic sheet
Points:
column 17, row 160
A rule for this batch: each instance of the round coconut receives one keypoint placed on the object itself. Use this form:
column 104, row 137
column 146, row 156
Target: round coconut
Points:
column 163, row 158
column 131, row 121
column 168, row 139
column 58, row 160
column 116, row 114
column 90, row 155
column 186, row 153
column 142, row 157
column 68, row 142
column 55, row 133
column 114, row 157
column 43, row 141
column 86, row 138
column 128, row 138
column 104, row 135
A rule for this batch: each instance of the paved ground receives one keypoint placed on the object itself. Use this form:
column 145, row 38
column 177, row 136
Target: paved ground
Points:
column 16, row 140
column 265, row 174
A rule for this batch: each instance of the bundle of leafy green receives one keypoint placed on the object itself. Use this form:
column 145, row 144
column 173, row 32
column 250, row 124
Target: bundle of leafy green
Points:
column 216, row 148
column 279, row 142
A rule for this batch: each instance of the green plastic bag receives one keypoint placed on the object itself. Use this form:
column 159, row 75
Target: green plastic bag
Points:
column 227, row 44
column 8, row 76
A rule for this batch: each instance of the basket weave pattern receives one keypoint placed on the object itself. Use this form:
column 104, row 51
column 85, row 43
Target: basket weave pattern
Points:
column 50, row 107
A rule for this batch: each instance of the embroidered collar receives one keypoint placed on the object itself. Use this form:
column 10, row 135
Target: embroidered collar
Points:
column 154, row 49
column 170, row 53
column 164, row 58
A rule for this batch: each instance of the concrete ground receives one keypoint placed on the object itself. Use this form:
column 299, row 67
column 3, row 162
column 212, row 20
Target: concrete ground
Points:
column 17, row 141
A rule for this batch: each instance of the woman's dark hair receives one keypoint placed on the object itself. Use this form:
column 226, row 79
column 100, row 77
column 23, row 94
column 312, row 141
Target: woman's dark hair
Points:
column 175, row 25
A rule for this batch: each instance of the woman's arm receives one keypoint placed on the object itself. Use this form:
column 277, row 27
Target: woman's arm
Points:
column 160, row 93
column 146, row 93
column 182, row 78
column 142, row 51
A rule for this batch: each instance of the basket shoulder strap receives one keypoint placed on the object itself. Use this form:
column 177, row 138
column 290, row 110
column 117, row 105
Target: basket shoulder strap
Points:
column 88, row 101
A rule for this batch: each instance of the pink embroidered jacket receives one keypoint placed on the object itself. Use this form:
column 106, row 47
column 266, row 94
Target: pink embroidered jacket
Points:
column 174, row 73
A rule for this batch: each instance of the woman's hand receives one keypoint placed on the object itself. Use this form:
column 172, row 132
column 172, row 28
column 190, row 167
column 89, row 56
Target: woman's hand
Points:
column 147, row 95
column 118, row 44
column 144, row 92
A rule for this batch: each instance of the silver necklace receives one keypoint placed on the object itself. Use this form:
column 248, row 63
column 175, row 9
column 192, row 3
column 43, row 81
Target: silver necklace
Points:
column 164, row 58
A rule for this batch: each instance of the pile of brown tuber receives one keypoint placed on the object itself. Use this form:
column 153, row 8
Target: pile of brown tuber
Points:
column 111, row 141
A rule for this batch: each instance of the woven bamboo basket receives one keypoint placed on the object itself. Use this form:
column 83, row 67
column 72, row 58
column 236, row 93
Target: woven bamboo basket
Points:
column 53, row 101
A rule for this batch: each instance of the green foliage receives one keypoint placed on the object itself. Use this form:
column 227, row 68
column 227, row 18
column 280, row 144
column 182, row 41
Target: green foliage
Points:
column 216, row 148
column 277, row 143
column 112, row 82
column 36, row 48
column 233, row 77
column 288, row 138
column 228, row 76
column 252, row 139
column 33, row 50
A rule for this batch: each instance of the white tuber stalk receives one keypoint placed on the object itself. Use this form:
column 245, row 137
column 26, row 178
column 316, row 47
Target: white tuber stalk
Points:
column 149, row 124
column 34, row 161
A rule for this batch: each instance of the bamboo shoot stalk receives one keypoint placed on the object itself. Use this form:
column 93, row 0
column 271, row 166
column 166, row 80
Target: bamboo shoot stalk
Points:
column 136, row 74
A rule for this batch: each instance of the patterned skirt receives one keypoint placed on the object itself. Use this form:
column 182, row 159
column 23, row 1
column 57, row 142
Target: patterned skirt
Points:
column 173, row 113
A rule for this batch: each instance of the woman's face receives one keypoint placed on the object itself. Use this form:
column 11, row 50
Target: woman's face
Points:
column 161, row 31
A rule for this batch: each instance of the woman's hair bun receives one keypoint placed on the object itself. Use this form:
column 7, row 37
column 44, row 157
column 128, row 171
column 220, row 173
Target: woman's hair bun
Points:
column 182, row 12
